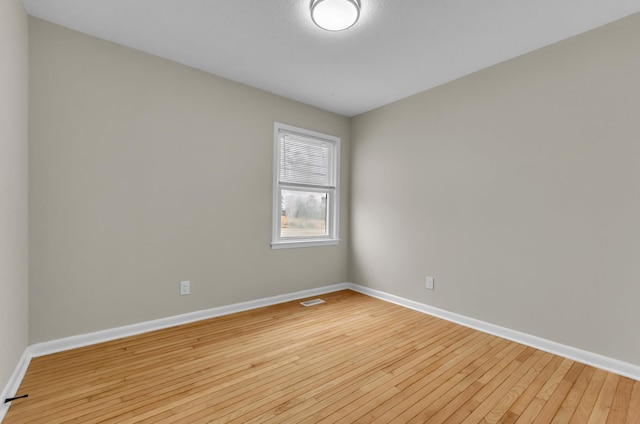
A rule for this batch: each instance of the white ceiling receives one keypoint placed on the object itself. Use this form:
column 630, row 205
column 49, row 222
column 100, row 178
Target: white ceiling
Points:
column 398, row 48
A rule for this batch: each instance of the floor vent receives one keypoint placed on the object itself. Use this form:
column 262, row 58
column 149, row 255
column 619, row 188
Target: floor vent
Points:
column 312, row 302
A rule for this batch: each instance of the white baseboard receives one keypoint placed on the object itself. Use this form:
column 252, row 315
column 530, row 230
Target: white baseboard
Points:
column 13, row 384
column 67, row 343
column 596, row 360
column 73, row 342
column 39, row 349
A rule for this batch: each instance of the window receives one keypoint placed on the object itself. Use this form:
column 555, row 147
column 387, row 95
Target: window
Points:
column 305, row 187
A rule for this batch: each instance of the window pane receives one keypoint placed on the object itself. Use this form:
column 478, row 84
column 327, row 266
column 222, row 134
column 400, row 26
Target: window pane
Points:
column 303, row 214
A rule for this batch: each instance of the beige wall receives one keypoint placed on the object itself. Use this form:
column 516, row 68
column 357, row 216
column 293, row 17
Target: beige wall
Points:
column 14, row 284
column 518, row 189
column 144, row 173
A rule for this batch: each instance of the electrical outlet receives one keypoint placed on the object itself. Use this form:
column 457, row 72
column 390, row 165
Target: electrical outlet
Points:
column 185, row 287
column 430, row 283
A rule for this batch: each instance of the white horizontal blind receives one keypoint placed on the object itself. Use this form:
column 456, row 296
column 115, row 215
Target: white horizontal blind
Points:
column 305, row 161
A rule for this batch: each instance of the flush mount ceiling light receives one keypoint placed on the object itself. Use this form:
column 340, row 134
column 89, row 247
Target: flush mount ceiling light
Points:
column 335, row 15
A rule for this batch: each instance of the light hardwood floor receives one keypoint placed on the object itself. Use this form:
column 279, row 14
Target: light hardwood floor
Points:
column 353, row 359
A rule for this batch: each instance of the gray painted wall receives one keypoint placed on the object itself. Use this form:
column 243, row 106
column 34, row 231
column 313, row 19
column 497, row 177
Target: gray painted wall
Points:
column 144, row 173
column 518, row 189
column 14, row 283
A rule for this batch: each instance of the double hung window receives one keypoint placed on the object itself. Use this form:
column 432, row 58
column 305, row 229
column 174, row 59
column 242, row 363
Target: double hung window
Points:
column 305, row 187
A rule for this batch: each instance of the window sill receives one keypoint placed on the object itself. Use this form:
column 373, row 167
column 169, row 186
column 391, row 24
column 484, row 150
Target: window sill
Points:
column 303, row 243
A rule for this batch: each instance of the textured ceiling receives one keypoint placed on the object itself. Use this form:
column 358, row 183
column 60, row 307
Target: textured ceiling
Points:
column 398, row 48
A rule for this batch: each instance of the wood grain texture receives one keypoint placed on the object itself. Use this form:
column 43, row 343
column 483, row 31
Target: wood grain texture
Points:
column 353, row 359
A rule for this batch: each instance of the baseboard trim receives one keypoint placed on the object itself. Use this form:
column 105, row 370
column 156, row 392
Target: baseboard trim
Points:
column 14, row 382
column 45, row 348
column 73, row 342
column 625, row 369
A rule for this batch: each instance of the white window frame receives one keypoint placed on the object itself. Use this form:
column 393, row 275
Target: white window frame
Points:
column 333, row 197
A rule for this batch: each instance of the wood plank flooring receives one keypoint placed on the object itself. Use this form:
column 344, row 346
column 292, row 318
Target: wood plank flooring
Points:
column 353, row 359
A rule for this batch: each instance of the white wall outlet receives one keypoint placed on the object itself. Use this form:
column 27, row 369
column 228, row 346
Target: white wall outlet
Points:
column 185, row 287
column 430, row 283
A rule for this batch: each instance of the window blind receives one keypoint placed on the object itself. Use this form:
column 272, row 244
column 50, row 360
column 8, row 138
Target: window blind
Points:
column 305, row 161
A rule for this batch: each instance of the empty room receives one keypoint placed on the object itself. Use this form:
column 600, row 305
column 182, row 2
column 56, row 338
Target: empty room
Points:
column 319, row 211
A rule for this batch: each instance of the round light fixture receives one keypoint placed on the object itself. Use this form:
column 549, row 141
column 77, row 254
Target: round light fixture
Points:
column 335, row 15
